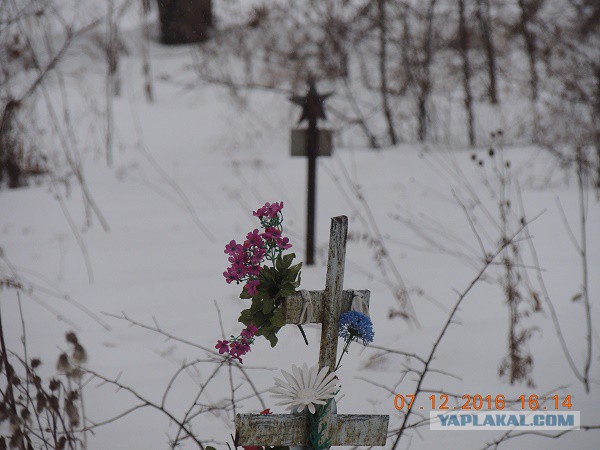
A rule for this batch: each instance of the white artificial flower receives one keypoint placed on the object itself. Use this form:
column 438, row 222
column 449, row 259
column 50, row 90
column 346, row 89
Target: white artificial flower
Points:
column 305, row 388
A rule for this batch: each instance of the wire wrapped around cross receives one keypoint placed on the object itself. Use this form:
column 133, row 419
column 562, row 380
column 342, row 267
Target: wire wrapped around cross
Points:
column 360, row 303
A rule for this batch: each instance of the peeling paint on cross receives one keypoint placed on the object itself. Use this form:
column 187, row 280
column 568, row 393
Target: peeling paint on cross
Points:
column 327, row 305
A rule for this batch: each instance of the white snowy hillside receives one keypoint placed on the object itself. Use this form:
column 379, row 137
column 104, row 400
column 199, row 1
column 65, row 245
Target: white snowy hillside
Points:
column 112, row 244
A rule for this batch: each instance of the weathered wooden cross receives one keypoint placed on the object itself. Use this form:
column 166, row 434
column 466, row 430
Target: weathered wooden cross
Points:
column 327, row 305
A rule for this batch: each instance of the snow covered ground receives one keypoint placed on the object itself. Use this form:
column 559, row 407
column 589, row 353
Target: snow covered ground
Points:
column 208, row 162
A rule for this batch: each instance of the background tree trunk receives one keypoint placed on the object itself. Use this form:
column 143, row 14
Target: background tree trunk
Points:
column 596, row 115
column 463, row 39
column 424, row 78
column 146, row 67
column 484, row 17
column 382, row 19
column 10, row 158
column 383, row 87
column 184, row 21
column 528, row 12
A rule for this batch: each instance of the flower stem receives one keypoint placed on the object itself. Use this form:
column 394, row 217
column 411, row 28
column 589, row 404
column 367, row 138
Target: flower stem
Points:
column 303, row 334
column 345, row 350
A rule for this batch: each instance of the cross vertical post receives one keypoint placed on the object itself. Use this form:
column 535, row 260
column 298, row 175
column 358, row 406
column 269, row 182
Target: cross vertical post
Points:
column 334, row 282
column 333, row 292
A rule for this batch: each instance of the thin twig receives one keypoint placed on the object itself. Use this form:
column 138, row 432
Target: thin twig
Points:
column 449, row 320
column 147, row 402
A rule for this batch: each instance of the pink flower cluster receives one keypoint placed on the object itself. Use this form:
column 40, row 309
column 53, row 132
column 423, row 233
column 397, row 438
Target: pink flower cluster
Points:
column 268, row 211
column 246, row 264
column 238, row 346
column 246, row 261
column 246, row 258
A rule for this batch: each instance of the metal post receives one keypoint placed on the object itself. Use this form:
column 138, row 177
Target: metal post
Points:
column 312, row 143
column 312, row 111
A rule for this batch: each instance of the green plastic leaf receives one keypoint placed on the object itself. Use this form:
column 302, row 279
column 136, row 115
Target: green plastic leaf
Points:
column 268, row 305
column 244, row 294
column 275, row 283
column 287, row 290
column 268, row 274
column 272, row 338
column 295, row 270
column 287, row 260
column 245, row 316
column 277, row 319
column 256, row 304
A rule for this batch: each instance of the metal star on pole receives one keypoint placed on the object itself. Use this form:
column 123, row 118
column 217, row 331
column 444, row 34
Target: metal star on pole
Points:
column 312, row 111
column 311, row 103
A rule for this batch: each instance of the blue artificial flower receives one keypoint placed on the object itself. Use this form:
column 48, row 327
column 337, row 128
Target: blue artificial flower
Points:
column 355, row 326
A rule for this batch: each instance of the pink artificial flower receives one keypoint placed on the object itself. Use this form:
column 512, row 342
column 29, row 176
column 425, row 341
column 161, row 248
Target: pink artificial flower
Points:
column 268, row 210
column 244, row 347
column 222, row 347
column 247, row 256
column 239, row 270
column 252, row 287
column 229, row 276
column 249, row 331
column 253, row 271
column 258, row 254
column 254, row 239
column 275, row 208
column 245, row 333
column 262, row 211
column 232, row 248
column 236, row 351
column 237, row 259
column 283, row 243
column 271, row 233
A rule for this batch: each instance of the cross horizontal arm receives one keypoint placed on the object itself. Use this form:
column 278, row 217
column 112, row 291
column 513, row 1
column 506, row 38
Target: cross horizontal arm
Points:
column 292, row 429
column 292, row 305
column 358, row 429
column 272, row 429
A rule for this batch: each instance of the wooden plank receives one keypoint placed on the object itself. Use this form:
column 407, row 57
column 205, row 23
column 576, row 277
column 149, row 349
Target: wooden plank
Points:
column 332, row 300
column 358, row 429
column 272, row 429
column 292, row 305
column 298, row 139
column 292, row 429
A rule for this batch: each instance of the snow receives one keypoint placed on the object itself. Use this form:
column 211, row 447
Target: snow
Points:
column 156, row 262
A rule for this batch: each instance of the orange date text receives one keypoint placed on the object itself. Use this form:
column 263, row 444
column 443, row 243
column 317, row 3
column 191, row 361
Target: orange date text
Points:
column 478, row 402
